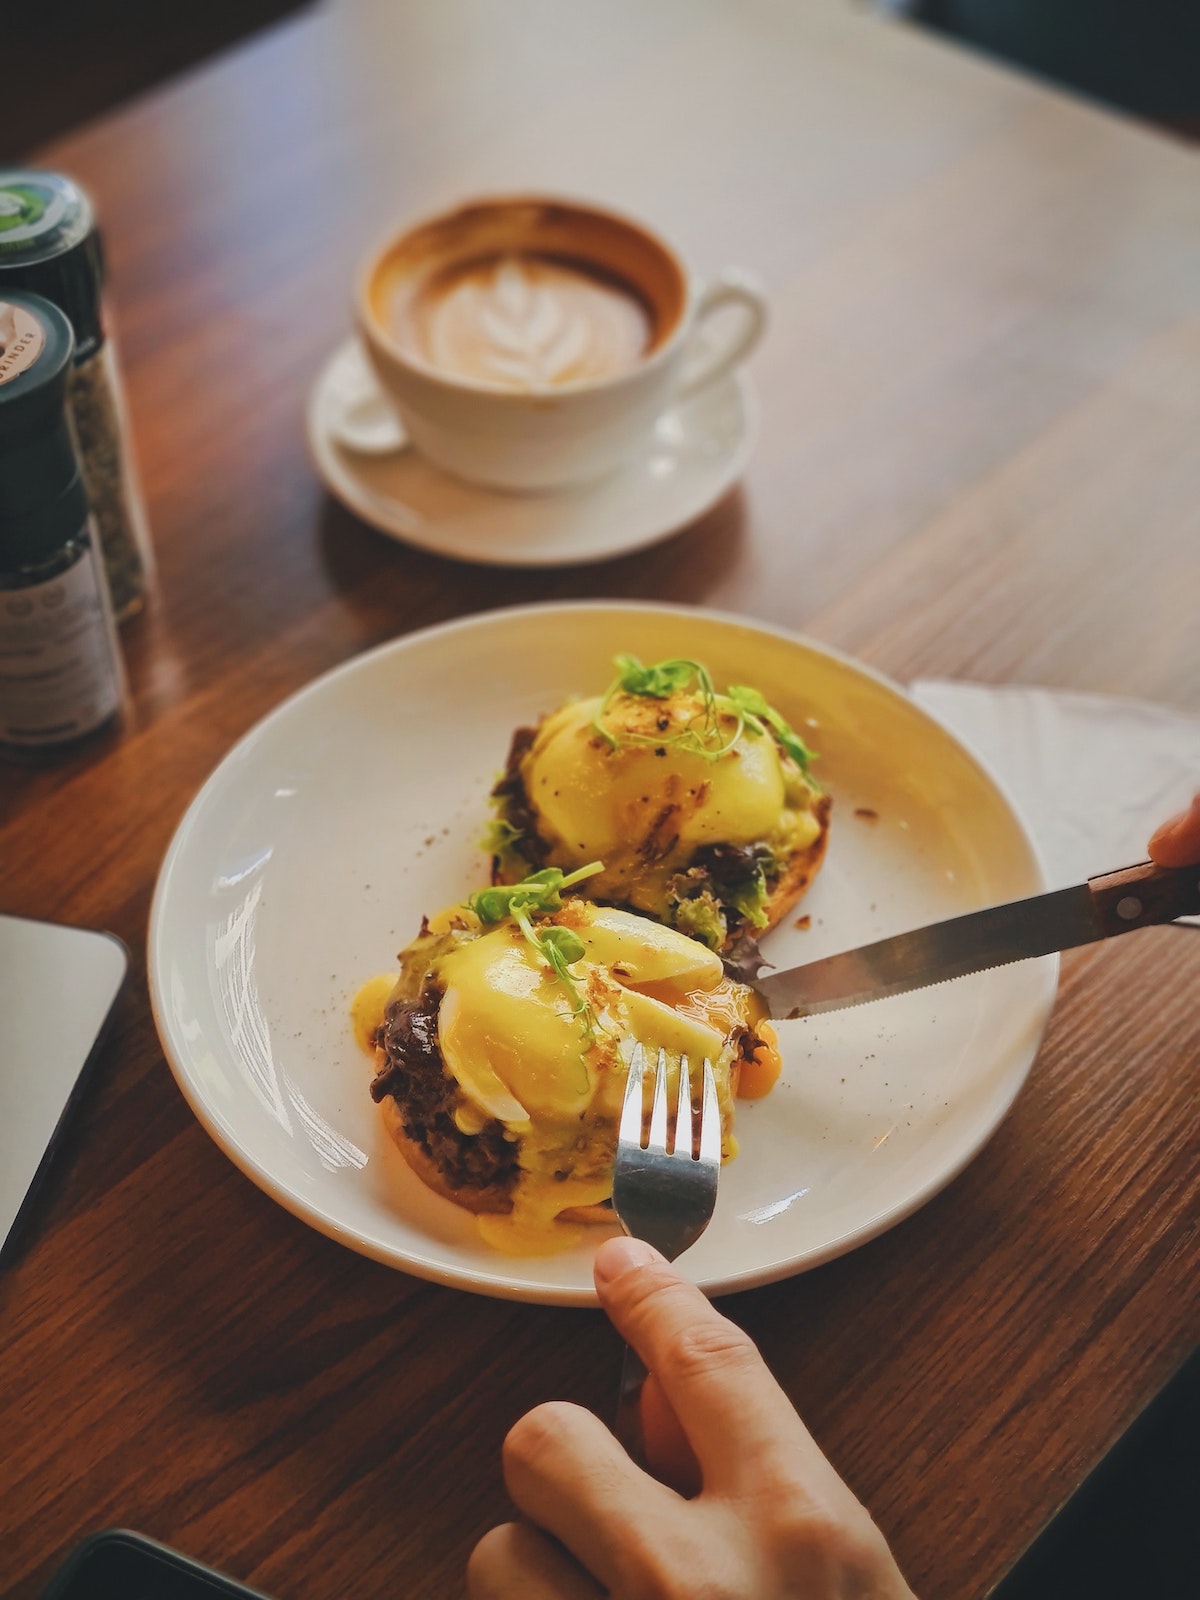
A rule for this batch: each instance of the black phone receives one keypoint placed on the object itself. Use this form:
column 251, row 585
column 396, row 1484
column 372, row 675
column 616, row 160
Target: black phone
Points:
column 119, row 1565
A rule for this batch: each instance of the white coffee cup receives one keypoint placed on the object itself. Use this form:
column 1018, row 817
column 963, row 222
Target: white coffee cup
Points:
column 576, row 271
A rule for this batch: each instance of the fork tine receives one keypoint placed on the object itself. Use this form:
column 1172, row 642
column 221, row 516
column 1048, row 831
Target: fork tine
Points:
column 658, row 1112
column 710, row 1121
column 631, row 1107
column 683, row 1114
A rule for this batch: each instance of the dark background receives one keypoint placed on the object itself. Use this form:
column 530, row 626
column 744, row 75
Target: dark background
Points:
column 1141, row 56
column 68, row 60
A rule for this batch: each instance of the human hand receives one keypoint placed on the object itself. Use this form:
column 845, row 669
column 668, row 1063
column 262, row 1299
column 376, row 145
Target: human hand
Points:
column 769, row 1517
column 1177, row 842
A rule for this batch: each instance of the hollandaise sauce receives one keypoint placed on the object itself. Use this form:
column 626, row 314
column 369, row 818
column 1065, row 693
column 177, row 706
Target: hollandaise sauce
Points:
column 366, row 1010
column 645, row 808
column 521, row 1055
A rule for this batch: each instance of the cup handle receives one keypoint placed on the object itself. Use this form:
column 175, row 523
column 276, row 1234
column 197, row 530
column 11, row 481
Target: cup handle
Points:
column 356, row 411
column 709, row 361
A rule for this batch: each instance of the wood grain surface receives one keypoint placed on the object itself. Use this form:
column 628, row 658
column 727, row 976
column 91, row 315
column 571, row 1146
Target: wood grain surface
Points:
column 980, row 458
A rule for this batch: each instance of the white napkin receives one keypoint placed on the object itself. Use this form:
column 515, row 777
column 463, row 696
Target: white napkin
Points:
column 1092, row 776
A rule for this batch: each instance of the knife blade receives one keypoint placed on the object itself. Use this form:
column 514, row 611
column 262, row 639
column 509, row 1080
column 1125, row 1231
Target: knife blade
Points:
column 1111, row 904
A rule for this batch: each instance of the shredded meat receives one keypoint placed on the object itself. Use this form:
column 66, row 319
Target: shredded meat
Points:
column 416, row 1078
column 515, row 807
column 743, row 961
column 730, row 866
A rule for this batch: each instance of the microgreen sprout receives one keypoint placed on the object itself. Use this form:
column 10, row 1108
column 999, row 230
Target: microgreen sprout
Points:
column 660, row 680
column 500, row 836
column 754, row 709
column 559, row 947
column 704, row 734
column 541, row 893
column 751, row 899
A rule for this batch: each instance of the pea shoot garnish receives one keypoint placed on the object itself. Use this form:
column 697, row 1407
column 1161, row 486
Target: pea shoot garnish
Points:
column 540, row 891
column 719, row 722
column 560, row 948
column 759, row 715
column 702, row 735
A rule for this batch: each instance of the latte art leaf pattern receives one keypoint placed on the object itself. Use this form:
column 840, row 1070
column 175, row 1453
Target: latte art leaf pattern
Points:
column 533, row 337
column 528, row 322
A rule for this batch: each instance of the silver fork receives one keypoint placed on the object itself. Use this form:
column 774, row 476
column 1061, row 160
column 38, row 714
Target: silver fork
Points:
column 663, row 1196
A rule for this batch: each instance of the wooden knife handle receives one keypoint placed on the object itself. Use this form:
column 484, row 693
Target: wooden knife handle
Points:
column 1138, row 897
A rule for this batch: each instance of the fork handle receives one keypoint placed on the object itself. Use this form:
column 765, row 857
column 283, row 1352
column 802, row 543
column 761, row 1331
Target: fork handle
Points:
column 628, row 1424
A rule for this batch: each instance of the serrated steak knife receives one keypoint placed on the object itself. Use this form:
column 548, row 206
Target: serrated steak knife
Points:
column 1117, row 902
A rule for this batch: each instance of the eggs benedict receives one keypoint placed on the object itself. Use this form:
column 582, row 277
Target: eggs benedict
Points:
column 701, row 805
column 502, row 1049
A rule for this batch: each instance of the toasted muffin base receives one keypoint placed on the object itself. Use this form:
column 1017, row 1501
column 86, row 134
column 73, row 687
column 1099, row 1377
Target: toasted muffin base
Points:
column 533, row 853
column 492, row 1200
column 801, row 869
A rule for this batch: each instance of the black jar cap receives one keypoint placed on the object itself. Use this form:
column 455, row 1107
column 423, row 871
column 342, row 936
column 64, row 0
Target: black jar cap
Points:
column 50, row 246
column 33, row 399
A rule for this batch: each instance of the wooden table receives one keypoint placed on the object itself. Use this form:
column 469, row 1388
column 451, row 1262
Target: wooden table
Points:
column 980, row 457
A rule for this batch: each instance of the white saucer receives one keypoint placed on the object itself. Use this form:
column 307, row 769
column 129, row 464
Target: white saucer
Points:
column 698, row 452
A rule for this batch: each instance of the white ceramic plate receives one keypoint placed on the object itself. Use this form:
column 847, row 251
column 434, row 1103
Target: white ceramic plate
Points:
column 311, row 854
column 696, row 454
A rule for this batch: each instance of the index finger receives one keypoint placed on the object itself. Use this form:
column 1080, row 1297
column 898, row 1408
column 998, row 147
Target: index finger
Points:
column 1177, row 842
column 737, row 1419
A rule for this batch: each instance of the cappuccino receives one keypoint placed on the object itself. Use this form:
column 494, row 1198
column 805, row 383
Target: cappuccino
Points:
column 528, row 342
column 522, row 321
column 527, row 295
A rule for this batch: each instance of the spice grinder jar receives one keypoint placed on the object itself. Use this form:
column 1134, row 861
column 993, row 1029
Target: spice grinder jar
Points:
column 49, row 245
column 60, row 666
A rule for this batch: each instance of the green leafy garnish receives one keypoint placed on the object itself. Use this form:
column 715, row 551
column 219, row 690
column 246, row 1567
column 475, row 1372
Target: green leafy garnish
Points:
column 500, row 836
column 552, row 951
column 700, row 918
column 502, row 841
column 541, row 893
column 565, row 942
column 704, row 734
column 750, row 898
column 754, row 708
column 701, row 736
column 660, row 680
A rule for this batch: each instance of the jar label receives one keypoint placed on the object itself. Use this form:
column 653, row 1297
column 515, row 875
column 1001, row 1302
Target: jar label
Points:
column 22, row 340
column 59, row 672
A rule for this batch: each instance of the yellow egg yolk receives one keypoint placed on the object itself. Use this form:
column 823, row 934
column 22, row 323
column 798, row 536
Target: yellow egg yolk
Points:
column 644, row 808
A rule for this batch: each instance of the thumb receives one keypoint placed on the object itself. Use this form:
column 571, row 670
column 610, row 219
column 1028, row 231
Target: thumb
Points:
column 1177, row 842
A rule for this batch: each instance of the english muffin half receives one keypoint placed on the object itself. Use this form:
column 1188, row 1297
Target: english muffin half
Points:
column 503, row 1048
column 701, row 805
